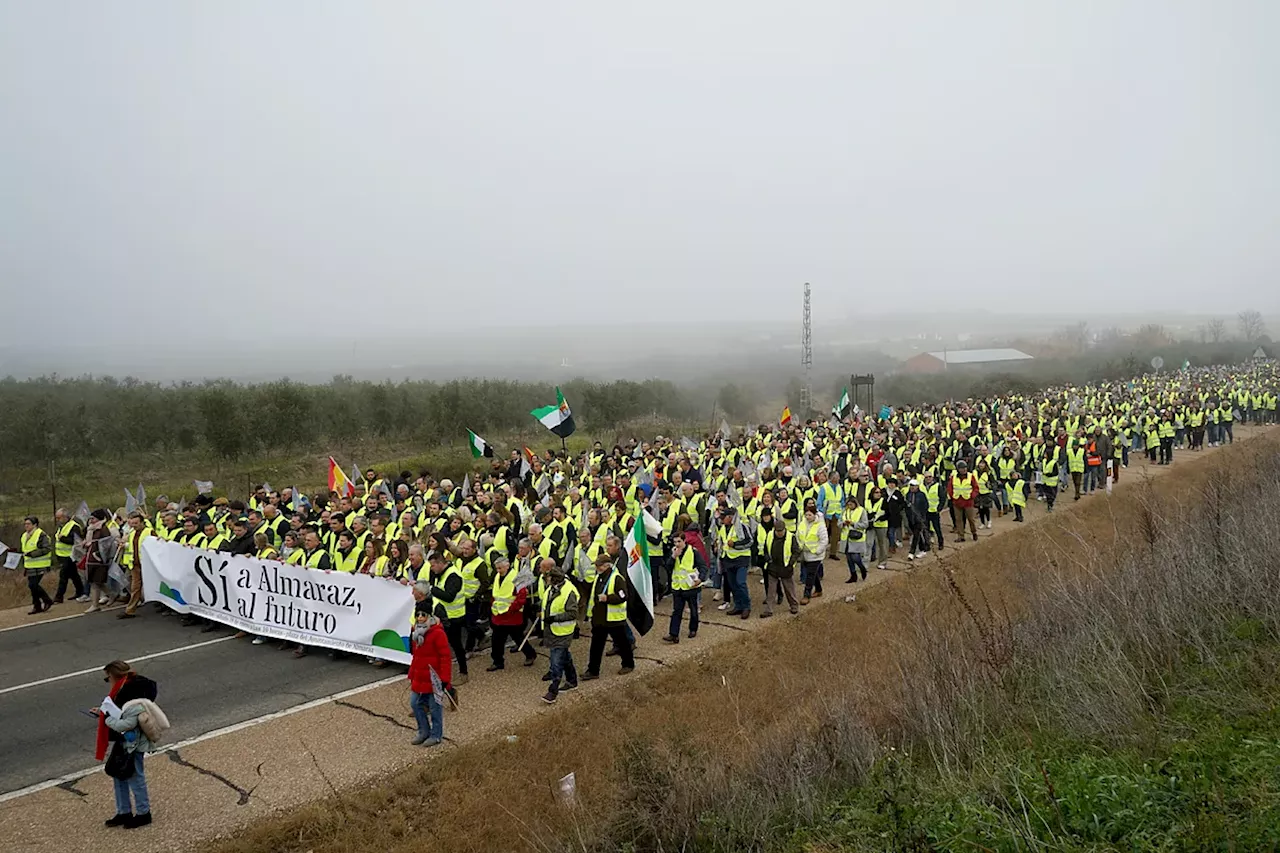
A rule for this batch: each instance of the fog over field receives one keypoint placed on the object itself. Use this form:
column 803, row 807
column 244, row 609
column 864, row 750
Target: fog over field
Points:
column 430, row 189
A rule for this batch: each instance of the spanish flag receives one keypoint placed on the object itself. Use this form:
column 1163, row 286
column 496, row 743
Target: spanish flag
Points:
column 785, row 419
column 339, row 482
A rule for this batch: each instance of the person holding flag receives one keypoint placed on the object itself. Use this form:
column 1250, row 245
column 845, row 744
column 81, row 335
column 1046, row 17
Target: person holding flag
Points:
column 608, row 618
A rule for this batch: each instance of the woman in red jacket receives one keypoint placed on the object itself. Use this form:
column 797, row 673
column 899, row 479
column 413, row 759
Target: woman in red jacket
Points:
column 430, row 675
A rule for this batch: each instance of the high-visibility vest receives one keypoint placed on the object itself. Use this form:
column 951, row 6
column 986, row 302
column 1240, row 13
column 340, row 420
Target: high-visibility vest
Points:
column 30, row 541
column 1075, row 459
column 1092, row 457
column 557, row 605
column 616, row 612
column 1018, row 492
column 874, row 510
column 457, row 608
column 683, row 573
column 1049, row 470
column 934, row 495
column 312, row 560
column 126, row 545
column 1167, row 430
column 348, row 563
column 849, row 519
column 832, row 499
column 727, row 548
column 268, row 553
column 63, row 549
column 984, row 481
column 962, row 489
column 504, row 592
column 471, row 583
column 295, row 557
column 786, row 545
column 788, row 514
column 1004, row 467
column 809, row 535
column 213, row 544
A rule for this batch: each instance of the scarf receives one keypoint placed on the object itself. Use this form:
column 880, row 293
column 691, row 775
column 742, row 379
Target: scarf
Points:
column 100, row 749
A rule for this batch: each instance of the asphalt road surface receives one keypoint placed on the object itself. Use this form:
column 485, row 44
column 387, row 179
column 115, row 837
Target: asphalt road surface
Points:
column 51, row 672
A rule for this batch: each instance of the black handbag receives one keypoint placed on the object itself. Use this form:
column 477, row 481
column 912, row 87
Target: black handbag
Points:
column 119, row 762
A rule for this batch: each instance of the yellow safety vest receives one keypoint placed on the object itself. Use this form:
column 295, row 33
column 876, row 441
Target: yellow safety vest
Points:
column 616, row 612
column 30, row 541
column 60, row 548
column 457, row 608
column 471, row 583
column 1018, row 492
column 786, row 546
column 962, row 489
column 504, row 592
column 312, row 560
column 349, row 563
column 849, row 519
column 873, row 509
column 557, row 606
column 295, row 557
column 683, row 573
column 727, row 548
column 934, row 495
column 809, row 535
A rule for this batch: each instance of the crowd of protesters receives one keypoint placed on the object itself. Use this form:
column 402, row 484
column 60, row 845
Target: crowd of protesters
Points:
column 530, row 548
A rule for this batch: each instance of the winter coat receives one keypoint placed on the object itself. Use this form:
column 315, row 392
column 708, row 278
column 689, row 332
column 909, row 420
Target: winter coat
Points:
column 917, row 509
column 432, row 653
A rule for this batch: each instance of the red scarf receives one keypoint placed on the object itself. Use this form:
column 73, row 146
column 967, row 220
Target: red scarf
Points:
column 100, row 751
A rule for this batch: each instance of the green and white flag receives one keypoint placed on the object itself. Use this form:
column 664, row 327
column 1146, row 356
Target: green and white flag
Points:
column 842, row 408
column 479, row 447
column 557, row 418
column 640, row 576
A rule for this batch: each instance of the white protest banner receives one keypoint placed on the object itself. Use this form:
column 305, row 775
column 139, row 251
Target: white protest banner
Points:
column 348, row 612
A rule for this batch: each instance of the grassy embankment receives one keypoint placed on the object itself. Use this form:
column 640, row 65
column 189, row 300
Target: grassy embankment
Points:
column 1104, row 677
column 102, row 482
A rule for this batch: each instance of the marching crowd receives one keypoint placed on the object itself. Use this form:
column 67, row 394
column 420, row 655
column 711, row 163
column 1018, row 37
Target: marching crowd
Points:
column 531, row 548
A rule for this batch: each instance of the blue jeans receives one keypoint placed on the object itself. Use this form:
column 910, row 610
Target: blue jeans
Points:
column 135, row 785
column 428, row 713
column 735, row 569
column 679, row 598
column 713, row 572
column 562, row 665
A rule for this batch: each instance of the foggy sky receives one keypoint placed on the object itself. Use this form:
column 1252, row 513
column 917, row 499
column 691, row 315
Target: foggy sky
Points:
column 198, row 169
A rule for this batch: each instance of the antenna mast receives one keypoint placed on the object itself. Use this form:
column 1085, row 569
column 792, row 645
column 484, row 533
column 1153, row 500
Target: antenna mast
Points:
column 806, row 356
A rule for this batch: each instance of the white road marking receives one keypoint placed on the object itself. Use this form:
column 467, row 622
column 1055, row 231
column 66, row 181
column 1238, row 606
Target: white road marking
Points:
column 58, row 619
column 151, row 656
column 183, row 744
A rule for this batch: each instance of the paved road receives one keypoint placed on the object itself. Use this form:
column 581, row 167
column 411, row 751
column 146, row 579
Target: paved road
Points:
column 204, row 688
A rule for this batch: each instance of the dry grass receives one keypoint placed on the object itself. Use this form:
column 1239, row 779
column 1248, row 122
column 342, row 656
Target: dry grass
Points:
column 730, row 750
column 13, row 589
